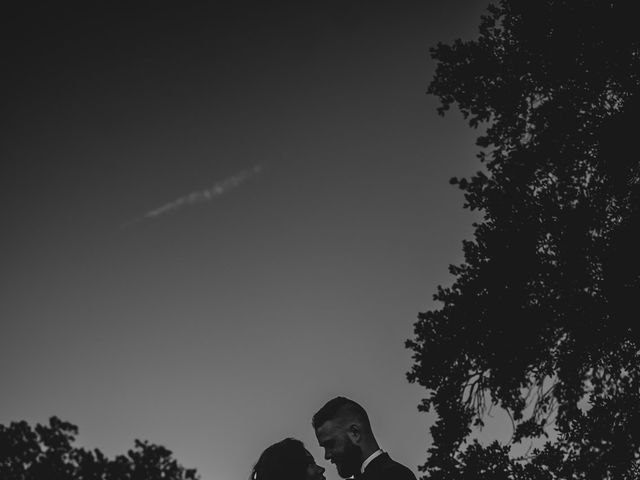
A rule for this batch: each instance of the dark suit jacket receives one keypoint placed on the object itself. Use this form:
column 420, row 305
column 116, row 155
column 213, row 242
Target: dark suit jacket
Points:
column 383, row 468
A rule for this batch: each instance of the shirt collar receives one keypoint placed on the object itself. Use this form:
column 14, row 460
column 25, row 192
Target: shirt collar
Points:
column 369, row 459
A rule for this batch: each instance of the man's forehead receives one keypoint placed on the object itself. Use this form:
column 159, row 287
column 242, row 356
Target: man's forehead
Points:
column 327, row 429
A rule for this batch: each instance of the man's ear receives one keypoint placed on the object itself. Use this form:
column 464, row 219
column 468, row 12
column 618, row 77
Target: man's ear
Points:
column 354, row 432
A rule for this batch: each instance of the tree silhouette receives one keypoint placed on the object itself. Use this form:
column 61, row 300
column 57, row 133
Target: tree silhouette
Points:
column 540, row 319
column 46, row 452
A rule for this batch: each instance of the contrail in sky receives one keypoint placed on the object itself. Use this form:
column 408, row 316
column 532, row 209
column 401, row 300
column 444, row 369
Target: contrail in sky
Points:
column 219, row 188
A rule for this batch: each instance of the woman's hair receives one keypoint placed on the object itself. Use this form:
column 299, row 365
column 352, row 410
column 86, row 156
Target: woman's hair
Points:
column 285, row 460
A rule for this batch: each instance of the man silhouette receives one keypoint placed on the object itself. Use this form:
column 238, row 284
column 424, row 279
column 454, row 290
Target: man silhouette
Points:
column 342, row 428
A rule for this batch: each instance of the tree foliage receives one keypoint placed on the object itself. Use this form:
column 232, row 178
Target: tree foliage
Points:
column 46, row 452
column 540, row 319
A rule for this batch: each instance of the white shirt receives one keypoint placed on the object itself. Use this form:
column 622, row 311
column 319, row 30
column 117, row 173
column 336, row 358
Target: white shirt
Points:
column 369, row 459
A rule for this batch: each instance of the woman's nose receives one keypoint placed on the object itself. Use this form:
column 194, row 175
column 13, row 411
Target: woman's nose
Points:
column 321, row 469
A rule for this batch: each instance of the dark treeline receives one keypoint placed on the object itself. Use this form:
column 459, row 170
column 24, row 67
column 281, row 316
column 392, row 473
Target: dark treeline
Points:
column 47, row 452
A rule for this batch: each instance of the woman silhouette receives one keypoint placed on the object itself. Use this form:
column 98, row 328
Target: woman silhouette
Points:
column 287, row 460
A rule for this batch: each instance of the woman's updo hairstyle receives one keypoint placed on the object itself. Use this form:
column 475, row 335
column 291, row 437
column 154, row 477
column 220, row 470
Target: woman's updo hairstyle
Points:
column 285, row 460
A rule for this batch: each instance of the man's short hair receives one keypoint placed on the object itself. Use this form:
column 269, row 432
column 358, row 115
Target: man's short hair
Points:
column 338, row 407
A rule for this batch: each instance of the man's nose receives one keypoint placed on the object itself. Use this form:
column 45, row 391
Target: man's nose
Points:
column 327, row 455
column 321, row 469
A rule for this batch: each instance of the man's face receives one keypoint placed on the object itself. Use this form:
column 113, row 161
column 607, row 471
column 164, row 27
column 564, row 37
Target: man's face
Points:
column 339, row 448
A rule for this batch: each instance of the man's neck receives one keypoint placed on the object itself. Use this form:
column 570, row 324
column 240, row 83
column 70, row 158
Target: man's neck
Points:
column 370, row 458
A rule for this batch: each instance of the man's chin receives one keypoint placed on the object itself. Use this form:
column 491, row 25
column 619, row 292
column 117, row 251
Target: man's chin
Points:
column 345, row 473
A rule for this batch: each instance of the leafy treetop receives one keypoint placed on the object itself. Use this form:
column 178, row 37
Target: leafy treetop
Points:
column 46, row 452
column 539, row 319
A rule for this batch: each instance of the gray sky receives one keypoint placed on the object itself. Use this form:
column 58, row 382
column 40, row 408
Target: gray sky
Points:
column 220, row 325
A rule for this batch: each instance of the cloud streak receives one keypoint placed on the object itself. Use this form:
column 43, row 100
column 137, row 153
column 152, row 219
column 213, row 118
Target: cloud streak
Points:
column 219, row 188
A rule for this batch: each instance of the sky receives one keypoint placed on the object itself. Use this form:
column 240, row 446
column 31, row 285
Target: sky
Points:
column 218, row 216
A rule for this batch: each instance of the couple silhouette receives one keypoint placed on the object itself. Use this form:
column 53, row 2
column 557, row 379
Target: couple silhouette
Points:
column 343, row 430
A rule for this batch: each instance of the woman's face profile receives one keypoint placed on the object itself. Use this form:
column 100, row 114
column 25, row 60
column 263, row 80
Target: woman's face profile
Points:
column 314, row 471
